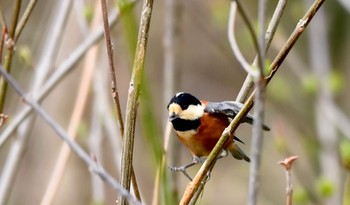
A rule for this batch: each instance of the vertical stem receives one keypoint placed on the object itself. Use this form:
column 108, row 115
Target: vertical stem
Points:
column 9, row 53
column 289, row 189
column 133, row 97
column 257, row 138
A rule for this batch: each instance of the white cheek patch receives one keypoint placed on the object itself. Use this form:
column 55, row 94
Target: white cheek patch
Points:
column 186, row 134
column 193, row 112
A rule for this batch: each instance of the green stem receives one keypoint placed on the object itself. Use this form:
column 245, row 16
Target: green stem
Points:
column 346, row 194
column 133, row 97
column 24, row 19
column 9, row 53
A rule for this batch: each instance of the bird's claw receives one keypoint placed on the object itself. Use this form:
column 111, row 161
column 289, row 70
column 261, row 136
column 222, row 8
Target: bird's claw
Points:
column 181, row 169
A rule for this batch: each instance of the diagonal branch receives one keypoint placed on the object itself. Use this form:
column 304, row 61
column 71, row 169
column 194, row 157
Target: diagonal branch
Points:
column 95, row 167
column 270, row 32
column 193, row 186
column 63, row 69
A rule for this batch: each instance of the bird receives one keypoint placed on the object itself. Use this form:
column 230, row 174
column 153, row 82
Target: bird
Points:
column 199, row 124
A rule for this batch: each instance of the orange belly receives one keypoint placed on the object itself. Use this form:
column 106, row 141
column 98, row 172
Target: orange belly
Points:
column 203, row 140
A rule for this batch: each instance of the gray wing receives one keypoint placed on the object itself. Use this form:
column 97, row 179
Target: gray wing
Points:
column 230, row 109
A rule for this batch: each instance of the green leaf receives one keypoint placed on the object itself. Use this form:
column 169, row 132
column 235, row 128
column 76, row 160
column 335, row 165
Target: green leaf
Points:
column 300, row 196
column 345, row 153
column 325, row 187
column 310, row 83
column 280, row 90
column 88, row 13
column 336, row 81
column 24, row 55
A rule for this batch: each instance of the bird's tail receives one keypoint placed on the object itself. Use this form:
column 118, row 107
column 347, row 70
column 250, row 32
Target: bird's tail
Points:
column 237, row 152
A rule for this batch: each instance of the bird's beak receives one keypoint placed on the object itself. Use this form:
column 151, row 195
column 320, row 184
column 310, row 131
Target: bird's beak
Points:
column 173, row 116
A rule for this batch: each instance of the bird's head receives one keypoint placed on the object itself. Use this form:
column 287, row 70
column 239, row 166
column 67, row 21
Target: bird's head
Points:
column 185, row 106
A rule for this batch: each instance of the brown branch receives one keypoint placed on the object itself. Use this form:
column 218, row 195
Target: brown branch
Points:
column 193, row 186
column 114, row 88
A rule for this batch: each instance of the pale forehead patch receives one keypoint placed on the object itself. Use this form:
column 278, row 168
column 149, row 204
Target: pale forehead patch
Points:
column 179, row 93
column 174, row 108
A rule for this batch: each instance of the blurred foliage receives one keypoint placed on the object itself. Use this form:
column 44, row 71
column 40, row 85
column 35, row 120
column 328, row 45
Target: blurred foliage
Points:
column 310, row 84
column 88, row 13
column 325, row 187
column 345, row 153
column 336, row 81
column 300, row 196
column 280, row 90
column 24, row 55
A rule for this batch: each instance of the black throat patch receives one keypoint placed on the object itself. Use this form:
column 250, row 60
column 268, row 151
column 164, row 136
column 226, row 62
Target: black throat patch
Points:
column 185, row 125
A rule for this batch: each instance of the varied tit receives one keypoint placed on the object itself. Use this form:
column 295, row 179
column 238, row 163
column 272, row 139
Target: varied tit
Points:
column 199, row 125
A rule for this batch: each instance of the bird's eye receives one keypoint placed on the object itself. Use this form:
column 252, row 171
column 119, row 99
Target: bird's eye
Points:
column 184, row 107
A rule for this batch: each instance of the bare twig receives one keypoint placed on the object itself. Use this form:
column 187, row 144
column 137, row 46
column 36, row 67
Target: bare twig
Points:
column 232, row 39
column 257, row 135
column 250, row 28
column 95, row 167
column 3, row 119
column 287, row 163
column 24, row 19
column 9, row 52
column 63, row 69
column 172, row 22
column 64, row 154
column 134, row 92
column 47, row 58
column 249, row 82
column 2, row 41
column 114, row 88
column 193, row 186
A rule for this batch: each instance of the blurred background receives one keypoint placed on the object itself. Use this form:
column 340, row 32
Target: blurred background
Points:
column 307, row 102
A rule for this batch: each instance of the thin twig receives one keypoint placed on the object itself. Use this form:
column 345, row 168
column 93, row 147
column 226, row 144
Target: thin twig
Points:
column 95, row 167
column 9, row 52
column 24, row 19
column 114, row 87
column 232, row 39
column 248, row 23
column 133, row 96
column 257, row 133
column 270, row 32
column 3, row 119
column 80, row 103
column 172, row 23
column 193, row 186
column 63, row 70
column 2, row 41
column 287, row 164
column 48, row 56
